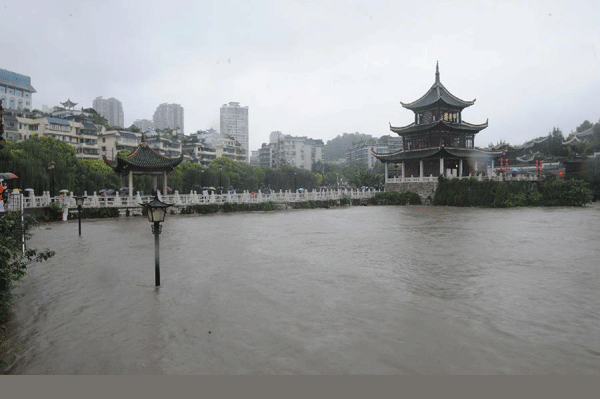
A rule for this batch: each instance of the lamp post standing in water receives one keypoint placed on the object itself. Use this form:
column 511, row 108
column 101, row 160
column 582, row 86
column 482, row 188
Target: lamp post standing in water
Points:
column 51, row 166
column 79, row 201
column 157, row 210
column 220, row 180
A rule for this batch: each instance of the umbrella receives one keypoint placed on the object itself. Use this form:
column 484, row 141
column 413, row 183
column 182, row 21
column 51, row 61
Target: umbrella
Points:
column 64, row 191
column 110, row 191
column 8, row 176
column 103, row 191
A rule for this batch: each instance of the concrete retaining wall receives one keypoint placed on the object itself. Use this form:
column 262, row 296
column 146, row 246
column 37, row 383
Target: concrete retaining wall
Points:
column 424, row 189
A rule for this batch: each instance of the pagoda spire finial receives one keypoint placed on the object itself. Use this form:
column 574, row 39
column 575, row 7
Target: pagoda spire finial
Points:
column 437, row 72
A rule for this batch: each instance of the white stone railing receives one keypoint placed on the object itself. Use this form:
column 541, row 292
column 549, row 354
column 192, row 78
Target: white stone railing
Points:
column 194, row 198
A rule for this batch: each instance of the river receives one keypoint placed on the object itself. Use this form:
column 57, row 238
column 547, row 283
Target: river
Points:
column 350, row 290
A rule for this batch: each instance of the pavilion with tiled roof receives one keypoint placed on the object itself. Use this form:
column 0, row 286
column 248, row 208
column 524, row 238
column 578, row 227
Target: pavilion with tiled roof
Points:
column 69, row 104
column 439, row 142
column 145, row 161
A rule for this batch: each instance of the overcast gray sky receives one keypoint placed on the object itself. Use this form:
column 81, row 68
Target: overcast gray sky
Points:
column 315, row 68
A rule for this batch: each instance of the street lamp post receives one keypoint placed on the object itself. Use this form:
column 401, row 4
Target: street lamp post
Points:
column 157, row 210
column 51, row 166
column 295, row 183
column 79, row 201
column 220, row 180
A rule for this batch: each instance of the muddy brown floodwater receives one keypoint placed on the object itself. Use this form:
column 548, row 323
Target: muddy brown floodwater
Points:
column 353, row 290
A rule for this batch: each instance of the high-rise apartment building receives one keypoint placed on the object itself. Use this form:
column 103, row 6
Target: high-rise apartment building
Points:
column 169, row 116
column 15, row 91
column 111, row 109
column 144, row 124
column 283, row 149
column 234, row 123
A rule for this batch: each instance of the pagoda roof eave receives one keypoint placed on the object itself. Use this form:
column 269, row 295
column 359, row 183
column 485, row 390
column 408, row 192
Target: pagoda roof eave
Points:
column 461, row 127
column 470, row 153
column 437, row 93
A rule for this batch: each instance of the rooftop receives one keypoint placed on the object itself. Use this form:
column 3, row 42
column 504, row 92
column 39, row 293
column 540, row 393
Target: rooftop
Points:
column 437, row 93
column 16, row 80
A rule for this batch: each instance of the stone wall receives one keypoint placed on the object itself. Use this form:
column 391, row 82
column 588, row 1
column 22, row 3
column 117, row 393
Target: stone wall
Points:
column 424, row 189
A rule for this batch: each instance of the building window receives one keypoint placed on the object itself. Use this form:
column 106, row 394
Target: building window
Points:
column 2, row 89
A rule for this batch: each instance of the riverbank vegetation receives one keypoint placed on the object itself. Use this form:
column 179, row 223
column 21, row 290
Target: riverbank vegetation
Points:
column 29, row 160
column 500, row 194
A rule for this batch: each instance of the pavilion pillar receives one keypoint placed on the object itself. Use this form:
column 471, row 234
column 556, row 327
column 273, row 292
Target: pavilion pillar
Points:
column 386, row 172
column 403, row 170
column 155, row 182
column 165, row 182
column 441, row 166
column 460, row 168
column 130, row 183
column 421, row 169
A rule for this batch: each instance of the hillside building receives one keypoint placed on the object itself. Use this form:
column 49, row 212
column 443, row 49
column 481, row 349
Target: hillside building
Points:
column 234, row 123
column 16, row 91
column 169, row 116
column 111, row 109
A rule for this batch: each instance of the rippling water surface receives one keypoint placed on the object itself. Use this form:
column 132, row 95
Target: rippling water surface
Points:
column 357, row 290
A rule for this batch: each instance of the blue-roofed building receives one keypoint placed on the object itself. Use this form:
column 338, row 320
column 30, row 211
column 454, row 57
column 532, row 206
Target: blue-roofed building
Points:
column 16, row 91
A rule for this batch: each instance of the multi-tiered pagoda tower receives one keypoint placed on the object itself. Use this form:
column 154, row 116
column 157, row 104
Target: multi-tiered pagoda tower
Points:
column 438, row 142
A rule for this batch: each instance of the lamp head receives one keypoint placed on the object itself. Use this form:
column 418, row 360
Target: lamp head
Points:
column 157, row 210
column 79, row 200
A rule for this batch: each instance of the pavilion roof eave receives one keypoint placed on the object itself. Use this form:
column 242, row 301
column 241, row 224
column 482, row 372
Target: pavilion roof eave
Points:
column 462, row 126
column 437, row 93
column 402, row 155
column 143, row 160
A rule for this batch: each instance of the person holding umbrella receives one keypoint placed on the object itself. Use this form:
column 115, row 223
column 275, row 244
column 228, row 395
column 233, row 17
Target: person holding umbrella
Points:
column 2, row 193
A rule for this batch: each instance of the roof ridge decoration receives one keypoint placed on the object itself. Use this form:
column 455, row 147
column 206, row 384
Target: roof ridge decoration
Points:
column 437, row 92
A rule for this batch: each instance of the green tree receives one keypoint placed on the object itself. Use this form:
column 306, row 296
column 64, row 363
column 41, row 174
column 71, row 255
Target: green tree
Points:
column 134, row 128
column 585, row 125
column 29, row 160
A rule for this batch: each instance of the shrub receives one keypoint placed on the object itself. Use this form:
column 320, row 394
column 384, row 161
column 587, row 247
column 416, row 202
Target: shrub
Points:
column 345, row 199
column 53, row 212
column 497, row 194
column 396, row 198
column 96, row 213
